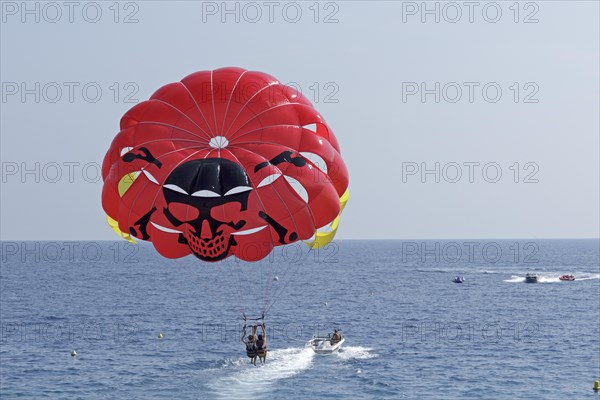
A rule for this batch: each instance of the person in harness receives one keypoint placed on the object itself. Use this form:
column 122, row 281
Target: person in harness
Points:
column 250, row 342
column 261, row 345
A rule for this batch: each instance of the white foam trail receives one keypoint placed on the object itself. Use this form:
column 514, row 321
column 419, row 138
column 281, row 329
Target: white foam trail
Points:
column 548, row 279
column 588, row 277
column 355, row 352
column 252, row 382
column 515, row 278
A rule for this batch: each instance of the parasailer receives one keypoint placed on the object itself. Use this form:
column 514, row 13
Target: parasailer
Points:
column 250, row 342
column 261, row 344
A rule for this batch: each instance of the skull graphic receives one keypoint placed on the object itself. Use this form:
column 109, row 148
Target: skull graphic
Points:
column 196, row 192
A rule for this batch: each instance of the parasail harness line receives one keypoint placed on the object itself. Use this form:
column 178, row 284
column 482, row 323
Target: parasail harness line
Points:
column 253, row 325
column 261, row 318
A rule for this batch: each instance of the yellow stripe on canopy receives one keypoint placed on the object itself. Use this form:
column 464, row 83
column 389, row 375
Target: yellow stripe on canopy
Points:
column 322, row 239
column 126, row 182
column 115, row 227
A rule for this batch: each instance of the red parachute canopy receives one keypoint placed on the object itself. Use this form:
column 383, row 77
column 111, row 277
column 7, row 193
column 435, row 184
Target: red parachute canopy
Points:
column 225, row 162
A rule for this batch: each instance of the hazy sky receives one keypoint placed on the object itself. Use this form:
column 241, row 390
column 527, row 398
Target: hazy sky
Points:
column 517, row 98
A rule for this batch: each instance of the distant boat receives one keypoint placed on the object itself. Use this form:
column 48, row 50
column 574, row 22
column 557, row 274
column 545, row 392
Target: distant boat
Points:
column 458, row 279
column 531, row 278
column 567, row 278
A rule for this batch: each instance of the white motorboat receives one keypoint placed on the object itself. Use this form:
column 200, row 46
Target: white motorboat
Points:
column 531, row 278
column 324, row 345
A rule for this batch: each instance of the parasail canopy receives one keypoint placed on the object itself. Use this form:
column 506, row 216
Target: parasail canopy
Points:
column 225, row 162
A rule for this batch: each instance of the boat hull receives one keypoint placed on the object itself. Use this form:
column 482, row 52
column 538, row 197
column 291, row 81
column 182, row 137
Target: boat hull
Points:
column 324, row 346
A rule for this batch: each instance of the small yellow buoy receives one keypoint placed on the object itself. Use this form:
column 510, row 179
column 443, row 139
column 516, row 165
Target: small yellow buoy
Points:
column 160, row 335
column 596, row 385
column 73, row 353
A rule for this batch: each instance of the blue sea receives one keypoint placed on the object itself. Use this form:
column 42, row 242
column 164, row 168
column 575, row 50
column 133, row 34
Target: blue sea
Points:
column 410, row 332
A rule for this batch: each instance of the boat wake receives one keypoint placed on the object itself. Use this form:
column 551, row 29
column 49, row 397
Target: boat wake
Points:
column 249, row 382
column 515, row 279
column 586, row 277
column 548, row 279
column 355, row 353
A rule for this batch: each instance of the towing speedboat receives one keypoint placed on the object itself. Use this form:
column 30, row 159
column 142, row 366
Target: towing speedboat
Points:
column 324, row 344
column 567, row 278
column 458, row 279
column 531, row 278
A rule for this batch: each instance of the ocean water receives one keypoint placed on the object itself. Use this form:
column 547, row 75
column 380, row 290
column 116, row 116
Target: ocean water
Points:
column 410, row 332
